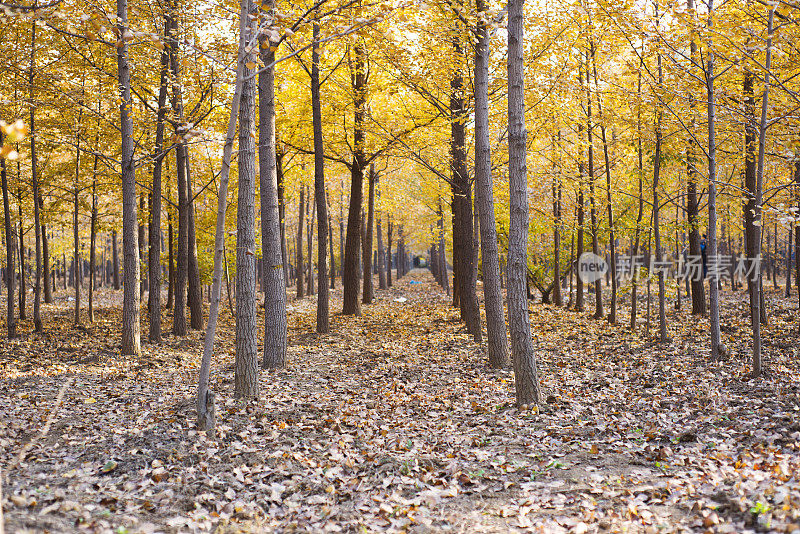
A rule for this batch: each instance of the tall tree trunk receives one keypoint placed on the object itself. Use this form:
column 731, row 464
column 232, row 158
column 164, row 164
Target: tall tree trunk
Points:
column 76, row 245
column 22, row 281
column 37, row 288
column 142, row 242
column 330, row 244
column 526, row 376
column 598, row 284
column 93, row 241
column 497, row 339
column 754, row 279
column 612, row 241
column 369, row 290
column 463, row 259
column 246, row 367
column 114, row 261
column 389, row 248
column 662, row 307
column 636, row 269
column 154, row 254
column 279, row 154
column 381, row 255
column 558, row 299
column 272, row 236
column 11, row 321
column 300, row 265
column 130, row 302
column 46, row 270
column 351, row 304
column 323, row 299
column 312, row 206
column 195, row 290
column 717, row 349
column 170, row 262
column 205, row 399
column 179, row 326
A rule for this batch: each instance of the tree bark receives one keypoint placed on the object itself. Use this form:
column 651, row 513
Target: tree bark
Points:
column 497, row 339
column 11, row 321
column 130, row 303
column 154, row 255
column 662, row 307
column 246, row 366
column 93, row 242
column 351, row 304
column 526, row 377
column 37, row 288
column 300, row 263
column 205, row 400
column 272, row 244
column 194, row 288
column 368, row 293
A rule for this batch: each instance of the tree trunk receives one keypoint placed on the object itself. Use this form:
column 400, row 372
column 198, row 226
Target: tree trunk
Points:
column 130, row 303
column 22, row 282
column 11, row 322
column 389, row 248
column 310, row 206
column 272, row 237
column 662, row 307
column 692, row 203
column 497, row 339
column 350, row 272
column 37, row 288
column 381, row 255
column 300, row 263
column 282, row 210
column 369, row 290
column 598, row 284
column 717, row 349
column 142, row 241
column 558, row 299
column 46, row 270
column 463, row 259
column 76, row 247
column 330, row 244
column 154, row 254
column 114, row 261
column 205, row 399
column 179, row 326
column 246, row 368
column 195, row 289
column 526, row 377
column 93, row 242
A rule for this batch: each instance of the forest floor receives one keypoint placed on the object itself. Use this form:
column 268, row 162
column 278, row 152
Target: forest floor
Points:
column 394, row 422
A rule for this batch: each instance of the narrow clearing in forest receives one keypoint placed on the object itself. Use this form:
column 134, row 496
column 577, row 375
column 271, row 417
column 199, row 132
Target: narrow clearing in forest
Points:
column 394, row 421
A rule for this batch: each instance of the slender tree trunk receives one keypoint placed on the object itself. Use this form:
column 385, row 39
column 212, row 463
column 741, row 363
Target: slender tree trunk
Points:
column 369, row 290
column 497, row 340
column 389, row 248
column 142, row 241
column 272, row 236
column 170, row 263
column 179, row 326
column 330, row 244
column 350, row 272
column 194, row 288
column 526, row 377
column 323, row 299
column 22, row 281
column 46, row 270
column 246, row 366
column 662, row 306
column 754, row 279
column 154, row 254
column 312, row 206
column 205, row 399
column 130, row 304
column 717, row 349
column 93, row 241
column 558, row 299
column 114, row 261
column 76, row 244
column 598, row 284
column 37, row 288
column 282, row 210
column 11, row 321
column 300, row 265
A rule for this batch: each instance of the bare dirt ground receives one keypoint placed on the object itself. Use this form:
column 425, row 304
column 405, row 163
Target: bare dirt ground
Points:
column 394, row 422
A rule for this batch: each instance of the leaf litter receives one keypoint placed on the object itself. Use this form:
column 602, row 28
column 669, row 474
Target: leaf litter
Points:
column 395, row 423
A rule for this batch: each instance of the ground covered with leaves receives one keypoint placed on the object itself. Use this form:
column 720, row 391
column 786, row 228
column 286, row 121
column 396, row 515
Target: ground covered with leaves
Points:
column 394, row 422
